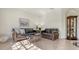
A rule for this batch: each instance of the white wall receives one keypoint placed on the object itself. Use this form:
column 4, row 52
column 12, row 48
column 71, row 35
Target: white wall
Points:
column 9, row 19
column 71, row 12
column 54, row 20
column 49, row 18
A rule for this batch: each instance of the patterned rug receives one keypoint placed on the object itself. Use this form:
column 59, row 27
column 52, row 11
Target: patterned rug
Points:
column 24, row 45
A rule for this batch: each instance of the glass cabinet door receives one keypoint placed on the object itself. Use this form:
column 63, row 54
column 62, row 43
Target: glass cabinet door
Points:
column 72, row 27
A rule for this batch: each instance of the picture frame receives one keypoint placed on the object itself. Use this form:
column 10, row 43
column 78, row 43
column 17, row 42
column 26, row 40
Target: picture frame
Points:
column 24, row 22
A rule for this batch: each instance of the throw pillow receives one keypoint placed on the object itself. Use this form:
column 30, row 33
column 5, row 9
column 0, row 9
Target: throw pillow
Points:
column 22, row 31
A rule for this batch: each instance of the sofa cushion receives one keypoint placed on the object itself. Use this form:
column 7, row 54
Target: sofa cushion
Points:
column 50, row 30
column 28, row 30
column 17, row 30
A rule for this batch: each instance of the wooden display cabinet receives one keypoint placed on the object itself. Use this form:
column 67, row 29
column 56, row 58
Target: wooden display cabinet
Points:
column 72, row 27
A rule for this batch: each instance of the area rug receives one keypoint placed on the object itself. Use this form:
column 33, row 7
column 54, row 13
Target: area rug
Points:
column 24, row 45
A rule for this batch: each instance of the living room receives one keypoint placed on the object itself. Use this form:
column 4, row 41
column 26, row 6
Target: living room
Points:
column 54, row 18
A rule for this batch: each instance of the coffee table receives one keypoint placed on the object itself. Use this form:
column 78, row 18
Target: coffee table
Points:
column 35, row 38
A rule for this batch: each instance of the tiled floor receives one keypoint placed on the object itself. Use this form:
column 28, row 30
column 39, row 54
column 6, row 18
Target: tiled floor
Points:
column 6, row 45
column 45, row 44
column 60, row 44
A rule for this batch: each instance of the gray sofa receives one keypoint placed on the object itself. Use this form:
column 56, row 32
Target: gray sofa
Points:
column 50, row 33
column 19, row 34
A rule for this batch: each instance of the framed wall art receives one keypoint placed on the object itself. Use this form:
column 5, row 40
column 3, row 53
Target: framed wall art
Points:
column 24, row 22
